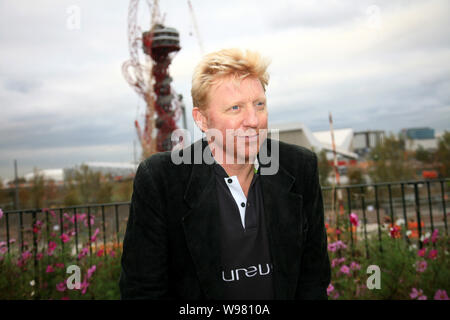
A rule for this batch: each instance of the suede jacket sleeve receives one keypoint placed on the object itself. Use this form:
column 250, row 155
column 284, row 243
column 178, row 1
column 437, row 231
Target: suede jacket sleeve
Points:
column 144, row 273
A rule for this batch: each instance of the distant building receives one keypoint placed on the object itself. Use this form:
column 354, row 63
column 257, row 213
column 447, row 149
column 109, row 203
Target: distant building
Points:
column 418, row 133
column 365, row 141
column 419, row 137
column 56, row 175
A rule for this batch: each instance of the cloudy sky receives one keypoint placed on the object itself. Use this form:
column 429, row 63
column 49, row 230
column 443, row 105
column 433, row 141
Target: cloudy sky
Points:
column 381, row 65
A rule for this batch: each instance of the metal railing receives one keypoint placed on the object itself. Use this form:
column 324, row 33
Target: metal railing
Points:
column 372, row 203
column 413, row 207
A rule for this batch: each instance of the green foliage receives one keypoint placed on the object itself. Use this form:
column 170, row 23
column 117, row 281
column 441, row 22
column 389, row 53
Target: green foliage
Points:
column 398, row 262
column 423, row 155
column 355, row 175
column 86, row 186
column 443, row 154
column 390, row 161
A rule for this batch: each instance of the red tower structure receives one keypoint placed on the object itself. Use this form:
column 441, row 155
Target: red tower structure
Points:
column 159, row 43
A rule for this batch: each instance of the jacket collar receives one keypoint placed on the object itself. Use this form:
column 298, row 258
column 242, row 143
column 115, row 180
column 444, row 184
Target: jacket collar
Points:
column 282, row 213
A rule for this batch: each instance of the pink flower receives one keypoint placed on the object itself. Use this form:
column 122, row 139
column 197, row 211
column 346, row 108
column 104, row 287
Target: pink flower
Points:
column 94, row 236
column 84, row 286
column 417, row 294
column 425, row 241
column 51, row 247
column 354, row 219
column 52, row 213
column 3, row 249
column 64, row 237
column 65, row 298
column 1, row 213
column 354, row 266
column 335, row 295
column 434, row 236
column 330, row 289
column 441, row 295
column 100, row 252
column 394, row 232
column 59, row 265
column 49, row 269
column 336, row 246
column 421, row 252
column 112, row 253
column 90, row 271
column 83, row 253
column 433, row 254
column 345, row 269
column 421, row 266
column 26, row 255
column 61, row 287
column 91, row 222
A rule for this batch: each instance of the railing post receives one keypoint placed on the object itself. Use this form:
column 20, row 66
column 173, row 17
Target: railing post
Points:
column 363, row 206
column 419, row 222
column 444, row 207
column 104, row 231
column 391, row 207
column 404, row 213
column 75, row 220
column 377, row 206
column 35, row 245
column 21, row 231
column 116, row 211
column 7, row 231
column 89, row 230
column 430, row 206
column 349, row 199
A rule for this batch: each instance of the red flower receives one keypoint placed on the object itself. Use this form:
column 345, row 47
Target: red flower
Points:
column 421, row 252
column 64, row 237
column 433, row 254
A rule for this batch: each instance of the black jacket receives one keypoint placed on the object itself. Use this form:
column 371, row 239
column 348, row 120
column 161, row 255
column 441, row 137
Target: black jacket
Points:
column 171, row 248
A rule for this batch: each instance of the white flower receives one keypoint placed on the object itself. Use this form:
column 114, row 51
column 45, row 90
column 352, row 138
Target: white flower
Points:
column 400, row 222
column 412, row 247
column 32, row 283
column 55, row 227
column 32, row 293
column 408, row 233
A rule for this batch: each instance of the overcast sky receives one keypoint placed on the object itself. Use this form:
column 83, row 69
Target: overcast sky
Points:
column 381, row 65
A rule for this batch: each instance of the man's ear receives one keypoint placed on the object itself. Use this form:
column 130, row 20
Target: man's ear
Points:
column 200, row 119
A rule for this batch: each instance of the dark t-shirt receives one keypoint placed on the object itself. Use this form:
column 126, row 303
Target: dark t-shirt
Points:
column 246, row 261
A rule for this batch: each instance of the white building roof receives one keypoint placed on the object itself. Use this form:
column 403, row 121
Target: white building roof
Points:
column 322, row 139
column 48, row 174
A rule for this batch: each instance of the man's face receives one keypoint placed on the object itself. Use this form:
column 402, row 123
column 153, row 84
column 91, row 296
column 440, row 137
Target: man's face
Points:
column 237, row 110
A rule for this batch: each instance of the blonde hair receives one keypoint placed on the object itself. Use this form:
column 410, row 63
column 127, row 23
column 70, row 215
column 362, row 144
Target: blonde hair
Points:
column 223, row 63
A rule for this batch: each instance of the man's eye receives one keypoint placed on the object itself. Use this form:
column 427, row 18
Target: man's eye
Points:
column 260, row 104
column 234, row 107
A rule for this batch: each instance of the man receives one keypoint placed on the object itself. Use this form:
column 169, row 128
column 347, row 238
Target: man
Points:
column 225, row 226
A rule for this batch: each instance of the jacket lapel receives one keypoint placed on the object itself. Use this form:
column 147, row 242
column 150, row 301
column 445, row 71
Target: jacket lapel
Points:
column 201, row 226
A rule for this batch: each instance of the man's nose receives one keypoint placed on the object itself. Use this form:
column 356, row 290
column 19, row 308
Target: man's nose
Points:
column 251, row 117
